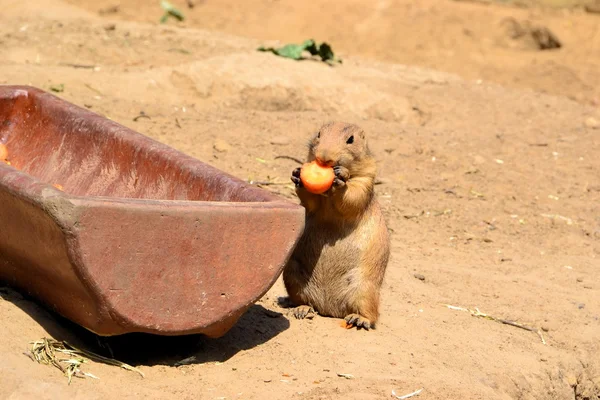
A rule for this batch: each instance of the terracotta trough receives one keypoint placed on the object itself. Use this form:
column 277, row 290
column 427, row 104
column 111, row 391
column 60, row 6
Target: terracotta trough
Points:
column 120, row 233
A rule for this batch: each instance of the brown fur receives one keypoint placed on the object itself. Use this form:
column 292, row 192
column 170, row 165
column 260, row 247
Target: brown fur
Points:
column 339, row 263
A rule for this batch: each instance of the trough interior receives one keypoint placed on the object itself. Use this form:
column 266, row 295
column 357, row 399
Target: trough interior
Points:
column 88, row 155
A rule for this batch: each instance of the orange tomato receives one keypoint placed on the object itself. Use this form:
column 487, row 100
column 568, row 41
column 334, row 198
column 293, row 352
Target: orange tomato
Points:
column 3, row 152
column 316, row 178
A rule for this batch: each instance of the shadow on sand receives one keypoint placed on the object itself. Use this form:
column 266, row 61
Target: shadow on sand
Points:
column 257, row 326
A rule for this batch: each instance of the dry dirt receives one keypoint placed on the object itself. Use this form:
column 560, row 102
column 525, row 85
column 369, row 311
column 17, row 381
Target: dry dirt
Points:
column 491, row 188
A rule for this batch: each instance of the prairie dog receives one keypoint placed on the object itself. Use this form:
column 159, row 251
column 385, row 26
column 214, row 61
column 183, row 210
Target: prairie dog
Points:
column 338, row 266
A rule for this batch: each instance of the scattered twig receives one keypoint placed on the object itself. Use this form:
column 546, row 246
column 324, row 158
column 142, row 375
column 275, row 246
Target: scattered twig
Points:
column 414, row 215
column 477, row 313
column 290, row 158
column 182, row 51
column 445, row 212
column 102, row 343
column 93, row 89
column 476, row 194
column 406, row 396
column 82, row 66
column 428, row 213
column 170, row 11
column 105, row 360
column 266, row 183
column 347, row 376
column 141, row 115
column 569, row 221
column 538, row 144
column 44, row 352
column 177, row 123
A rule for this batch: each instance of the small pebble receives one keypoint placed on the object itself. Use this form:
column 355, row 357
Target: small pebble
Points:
column 221, row 146
column 587, row 287
column 545, row 328
column 543, row 359
column 579, row 279
column 280, row 140
column 592, row 123
column 420, row 277
column 581, row 306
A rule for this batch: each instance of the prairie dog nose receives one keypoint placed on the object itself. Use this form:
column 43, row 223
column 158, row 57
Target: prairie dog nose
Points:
column 324, row 158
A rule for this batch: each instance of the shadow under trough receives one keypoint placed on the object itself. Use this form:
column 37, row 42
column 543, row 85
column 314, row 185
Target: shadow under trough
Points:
column 257, row 326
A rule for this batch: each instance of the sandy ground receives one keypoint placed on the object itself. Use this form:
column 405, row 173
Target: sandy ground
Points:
column 490, row 186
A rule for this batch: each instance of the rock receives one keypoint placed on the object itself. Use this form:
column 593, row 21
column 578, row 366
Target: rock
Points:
column 221, row 146
column 592, row 123
column 579, row 279
column 420, row 277
column 545, row 328
column 527, row 36
column 280, row 140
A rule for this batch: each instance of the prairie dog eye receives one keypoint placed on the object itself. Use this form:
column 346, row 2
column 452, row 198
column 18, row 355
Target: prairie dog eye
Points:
column 318, row 134
column 350, row 140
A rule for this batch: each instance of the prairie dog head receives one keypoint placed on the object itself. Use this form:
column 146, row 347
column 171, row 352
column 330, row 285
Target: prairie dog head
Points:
column 339, row 144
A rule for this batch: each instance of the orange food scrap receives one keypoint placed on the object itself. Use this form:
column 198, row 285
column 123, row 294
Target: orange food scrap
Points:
column 59, row 187
column 346, row 325
column 316, row 178
column 3, row 152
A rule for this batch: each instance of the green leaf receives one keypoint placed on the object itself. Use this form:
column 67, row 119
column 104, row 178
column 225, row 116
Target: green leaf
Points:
column 294, row 51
